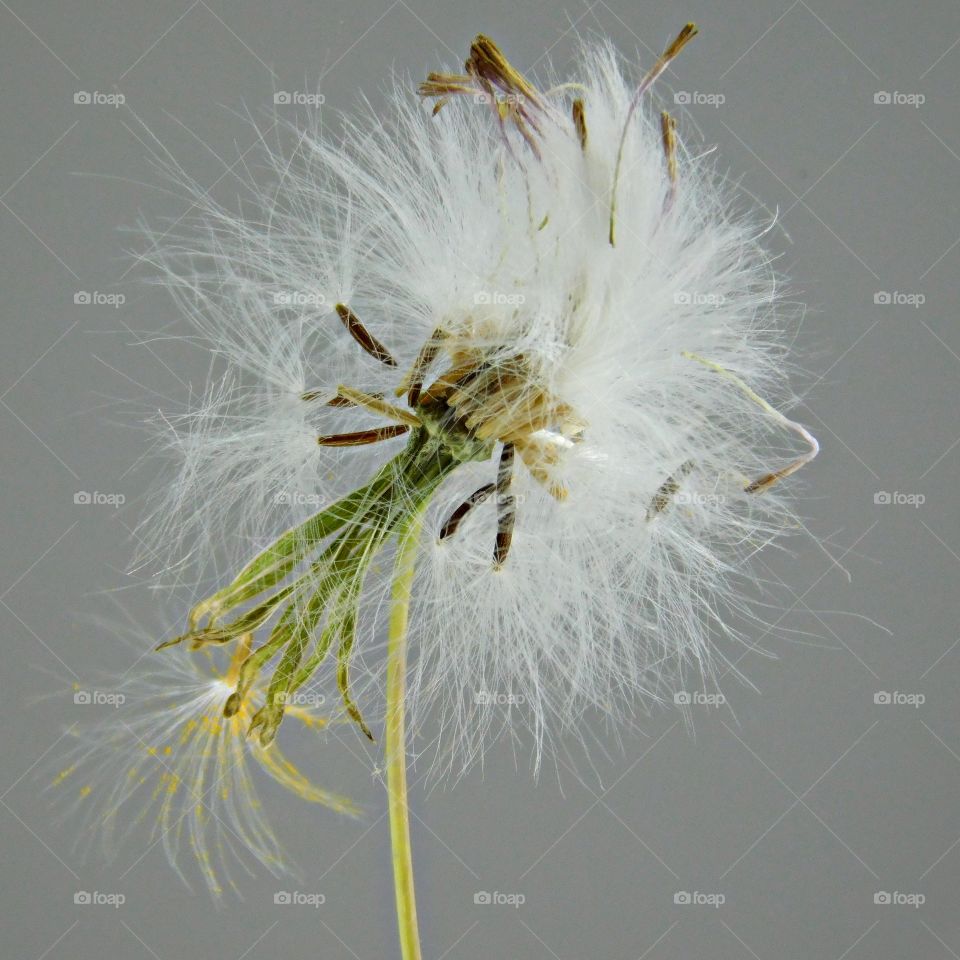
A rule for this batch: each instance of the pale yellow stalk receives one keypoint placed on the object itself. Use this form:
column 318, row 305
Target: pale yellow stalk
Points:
column 395, row 746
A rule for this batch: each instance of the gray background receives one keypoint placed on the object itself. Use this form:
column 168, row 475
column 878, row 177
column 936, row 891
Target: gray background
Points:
column 801, row 807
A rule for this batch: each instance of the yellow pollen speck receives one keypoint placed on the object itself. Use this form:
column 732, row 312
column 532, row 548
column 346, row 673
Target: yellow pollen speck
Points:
column 85, row 791
column 62, row 775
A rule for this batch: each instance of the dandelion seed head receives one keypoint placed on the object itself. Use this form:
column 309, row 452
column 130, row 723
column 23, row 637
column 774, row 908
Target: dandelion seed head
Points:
column 544, row 288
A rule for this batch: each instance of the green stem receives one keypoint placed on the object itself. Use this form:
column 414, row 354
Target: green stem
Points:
column 395, row 736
